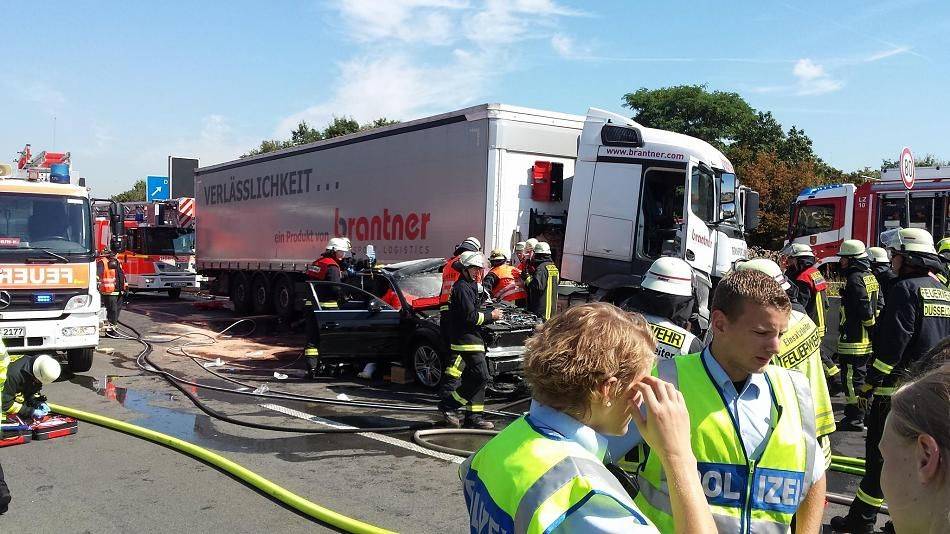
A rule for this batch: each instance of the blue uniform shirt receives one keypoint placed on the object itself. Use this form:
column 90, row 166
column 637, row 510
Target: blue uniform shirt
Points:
column 601, row 513
column 751, row 407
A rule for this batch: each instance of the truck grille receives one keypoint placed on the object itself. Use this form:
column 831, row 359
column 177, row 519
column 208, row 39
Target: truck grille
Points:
column 26, row 299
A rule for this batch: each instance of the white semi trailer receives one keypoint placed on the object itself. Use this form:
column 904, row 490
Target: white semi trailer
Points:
column 498, row 172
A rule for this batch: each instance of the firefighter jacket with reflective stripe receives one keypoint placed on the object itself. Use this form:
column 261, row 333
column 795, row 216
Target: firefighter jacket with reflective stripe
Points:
column 800, row 349
column 326, row 269
column 811, row 288
column 885, row 279
column 542, row 289
column 858, row 309
column 449, row 275
column 527, row 480
column 108, row 283
column 466, row 317
column 672, row 340
column 745, row 495
column 916, row 318
column 504, row 283
column 20, row 389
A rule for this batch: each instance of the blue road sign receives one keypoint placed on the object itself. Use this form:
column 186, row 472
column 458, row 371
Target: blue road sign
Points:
column 156, row 188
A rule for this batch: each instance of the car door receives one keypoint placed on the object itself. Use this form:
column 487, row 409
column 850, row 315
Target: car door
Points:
column 362, row 326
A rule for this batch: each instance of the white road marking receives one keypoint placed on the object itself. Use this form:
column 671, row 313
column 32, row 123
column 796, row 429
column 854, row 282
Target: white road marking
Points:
column 371, row 435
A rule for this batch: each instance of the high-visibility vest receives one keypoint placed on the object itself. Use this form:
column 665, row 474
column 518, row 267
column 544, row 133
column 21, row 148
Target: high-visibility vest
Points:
column 107, row 282
column 449, row 276
column 744, row 495
column 508, row 285
column 671, row 340
column 816, row 282
column 523, row 481
column 800, row 349
column 318, row 271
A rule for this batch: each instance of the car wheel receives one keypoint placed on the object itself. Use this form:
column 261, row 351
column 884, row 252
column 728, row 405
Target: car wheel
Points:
column 427, row 364
column 241, row 294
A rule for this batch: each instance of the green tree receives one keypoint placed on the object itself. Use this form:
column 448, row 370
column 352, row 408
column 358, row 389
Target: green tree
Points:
column 136, row 194
column 927, row 160
column 717, row 117
column 304, row 133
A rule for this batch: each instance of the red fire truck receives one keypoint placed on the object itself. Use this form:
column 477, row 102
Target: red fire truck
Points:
column 160, row 245
column 825, row 216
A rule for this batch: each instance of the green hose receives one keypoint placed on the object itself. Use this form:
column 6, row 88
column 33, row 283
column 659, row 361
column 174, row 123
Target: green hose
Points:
column 847, row 460
column 848, row 469
column 287, row 497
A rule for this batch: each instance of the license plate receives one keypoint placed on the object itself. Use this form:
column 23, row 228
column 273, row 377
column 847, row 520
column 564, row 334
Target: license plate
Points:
column 12, row 331
column 179, row 284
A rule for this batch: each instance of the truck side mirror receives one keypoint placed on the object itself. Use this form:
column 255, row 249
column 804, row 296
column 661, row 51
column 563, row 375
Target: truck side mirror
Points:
column 727, row 196
column 751, row 210
column 117, row 243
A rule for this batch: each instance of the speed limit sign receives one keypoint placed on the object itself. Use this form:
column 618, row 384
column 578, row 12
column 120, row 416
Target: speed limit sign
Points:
column 907, row 168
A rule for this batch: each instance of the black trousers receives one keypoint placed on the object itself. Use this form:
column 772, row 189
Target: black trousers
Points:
column 455, row 365
column 869, row 497
column 113, row 304
column 854, row 370
column 470, row 393
column 312, row 331
column 4, row 493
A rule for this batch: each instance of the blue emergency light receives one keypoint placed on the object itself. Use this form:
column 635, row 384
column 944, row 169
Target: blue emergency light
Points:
column 43, row 298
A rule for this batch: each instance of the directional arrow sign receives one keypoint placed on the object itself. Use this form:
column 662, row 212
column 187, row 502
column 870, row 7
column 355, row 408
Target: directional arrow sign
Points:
column 156, row 188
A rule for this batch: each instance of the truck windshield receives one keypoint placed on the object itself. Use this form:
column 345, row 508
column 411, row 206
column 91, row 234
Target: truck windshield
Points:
column 57, row 224
column 814, row 219
column 164, row 240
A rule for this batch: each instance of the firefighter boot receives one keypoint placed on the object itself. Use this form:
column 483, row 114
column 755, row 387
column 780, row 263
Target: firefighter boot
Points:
column 851, row 525
column 477, row 421
column 451, row 416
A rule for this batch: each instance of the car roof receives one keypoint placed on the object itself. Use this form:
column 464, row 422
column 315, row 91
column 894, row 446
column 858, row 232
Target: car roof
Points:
column 411, row 267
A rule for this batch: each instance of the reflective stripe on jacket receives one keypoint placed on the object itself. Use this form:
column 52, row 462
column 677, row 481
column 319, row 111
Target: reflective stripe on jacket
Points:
column 526, row 481
column 744, row 495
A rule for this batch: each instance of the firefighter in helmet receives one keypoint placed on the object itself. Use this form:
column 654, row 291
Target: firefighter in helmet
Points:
column 915, row 319
column 503, row 282
column 801, row 271
column 326, row 269
column 859, row 298
column 666, row 301
column 881, row 268
column 541, row 281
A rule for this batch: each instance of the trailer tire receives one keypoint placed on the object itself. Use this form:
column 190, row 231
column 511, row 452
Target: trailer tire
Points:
column 79, row 360
column 240, row 293
column 283, row 296
column 174, row 294
column 262, row 298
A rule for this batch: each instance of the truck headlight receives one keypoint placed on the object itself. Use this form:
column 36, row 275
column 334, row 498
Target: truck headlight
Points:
column 79, row 331
column 149, row 280
column 78, row 302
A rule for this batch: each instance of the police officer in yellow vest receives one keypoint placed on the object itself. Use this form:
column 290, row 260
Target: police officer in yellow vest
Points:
column 800, row 350
column 752, row 423
column 545, row 472
column 859, row 299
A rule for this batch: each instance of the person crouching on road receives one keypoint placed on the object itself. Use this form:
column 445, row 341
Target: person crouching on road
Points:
column 752, row 423
column 666, row 301
column 503, row 282
column 545, row 472
column 468, row 345
column 541, row 281
column 916, row 450
column 325, row 269
column 22, row 377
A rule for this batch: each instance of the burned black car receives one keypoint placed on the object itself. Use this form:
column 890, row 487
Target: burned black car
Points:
column 391, row 314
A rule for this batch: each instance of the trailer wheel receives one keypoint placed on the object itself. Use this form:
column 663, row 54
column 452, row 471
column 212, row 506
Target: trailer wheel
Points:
column 283, row 296
column 174, row 294
column 427, row 364
column 80, row 360
column 241, row 293
column 261, row 297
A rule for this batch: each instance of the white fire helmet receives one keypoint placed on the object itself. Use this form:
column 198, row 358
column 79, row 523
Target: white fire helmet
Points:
column 851, row 248
column 798, row 250
column 339, row 243
column 471, row 244
column 542, row 248
column 498, row 254
column 530, row 244
column 46, row 369
column 909, row 240
column 669, row 275
column 878, row 255
column 767, row 266
column 472, row 259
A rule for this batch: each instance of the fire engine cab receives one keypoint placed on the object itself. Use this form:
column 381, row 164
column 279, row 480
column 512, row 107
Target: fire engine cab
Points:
column 160, row 245
column 825, row 216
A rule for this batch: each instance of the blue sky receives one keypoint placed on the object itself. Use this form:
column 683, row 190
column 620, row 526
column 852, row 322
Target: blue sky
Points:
column 130, row 83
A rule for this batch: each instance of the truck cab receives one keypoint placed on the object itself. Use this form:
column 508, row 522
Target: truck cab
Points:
column 48, row 296
column 639, row 193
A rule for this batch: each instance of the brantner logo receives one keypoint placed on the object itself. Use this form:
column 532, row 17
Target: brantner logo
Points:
column 385, row 227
